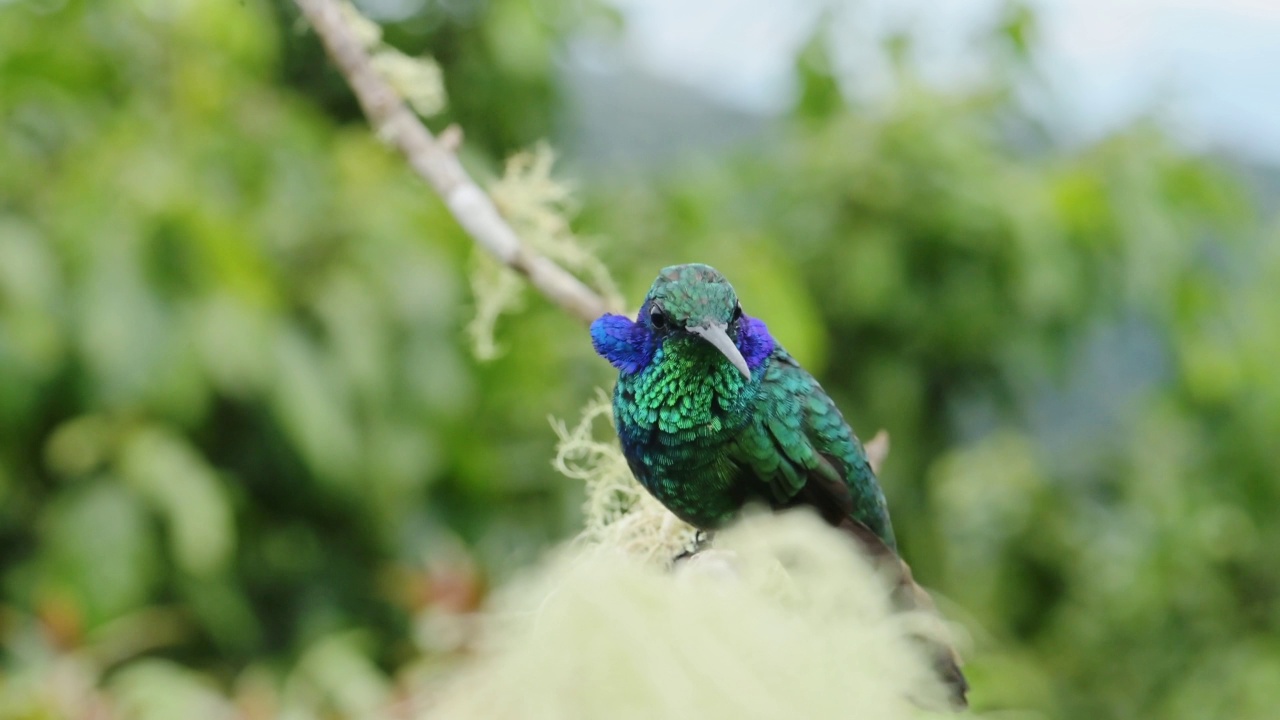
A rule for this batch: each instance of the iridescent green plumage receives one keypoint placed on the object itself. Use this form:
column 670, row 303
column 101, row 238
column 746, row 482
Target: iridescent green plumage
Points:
column 684, row 415
column 713, row 413
column 704, row 436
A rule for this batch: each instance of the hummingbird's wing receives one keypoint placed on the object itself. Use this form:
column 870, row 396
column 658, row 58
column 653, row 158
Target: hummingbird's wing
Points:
column 806, row 454
column 800, row 446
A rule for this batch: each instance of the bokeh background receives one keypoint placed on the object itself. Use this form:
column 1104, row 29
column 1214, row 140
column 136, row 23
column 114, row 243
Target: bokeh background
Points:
column 250, row 465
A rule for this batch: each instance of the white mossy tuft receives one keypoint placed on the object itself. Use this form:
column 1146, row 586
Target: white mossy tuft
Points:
column 418, row 80
column 367, row 31
column 784, row 619
column 618, row 513
column 795, row 625
column 497, row 290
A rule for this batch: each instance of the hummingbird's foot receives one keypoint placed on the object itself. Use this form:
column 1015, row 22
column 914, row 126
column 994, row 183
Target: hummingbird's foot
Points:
column 701, row 541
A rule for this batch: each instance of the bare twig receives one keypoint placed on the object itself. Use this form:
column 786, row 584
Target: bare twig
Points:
column 436, row 163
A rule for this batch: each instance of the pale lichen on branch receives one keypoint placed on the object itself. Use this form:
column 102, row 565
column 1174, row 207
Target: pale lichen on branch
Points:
column 538, row 207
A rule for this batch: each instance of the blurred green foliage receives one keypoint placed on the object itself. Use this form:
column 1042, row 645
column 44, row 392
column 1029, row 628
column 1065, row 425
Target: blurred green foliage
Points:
column 241, row 434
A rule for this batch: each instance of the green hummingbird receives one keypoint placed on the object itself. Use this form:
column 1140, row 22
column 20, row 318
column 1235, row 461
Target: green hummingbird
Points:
column 713, row 413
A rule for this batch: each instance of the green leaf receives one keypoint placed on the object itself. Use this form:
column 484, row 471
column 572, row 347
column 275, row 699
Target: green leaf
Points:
column 187, row 493
column 98, row 547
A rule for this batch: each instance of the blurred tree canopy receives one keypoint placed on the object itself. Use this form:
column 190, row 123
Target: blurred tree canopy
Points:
column 242, row 437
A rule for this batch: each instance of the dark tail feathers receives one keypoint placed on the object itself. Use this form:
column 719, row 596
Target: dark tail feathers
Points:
column 909, row 596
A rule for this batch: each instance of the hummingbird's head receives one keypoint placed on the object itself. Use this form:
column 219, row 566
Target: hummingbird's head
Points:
column 686, row 303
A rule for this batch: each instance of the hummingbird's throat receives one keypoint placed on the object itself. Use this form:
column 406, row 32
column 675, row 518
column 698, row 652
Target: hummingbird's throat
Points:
column 701, row 379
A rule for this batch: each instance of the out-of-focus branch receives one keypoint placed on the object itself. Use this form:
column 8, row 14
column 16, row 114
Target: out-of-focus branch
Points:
column 877, row 449
column 434, row 160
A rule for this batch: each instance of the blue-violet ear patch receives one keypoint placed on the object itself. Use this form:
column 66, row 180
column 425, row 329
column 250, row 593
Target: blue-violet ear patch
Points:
column 624, row 343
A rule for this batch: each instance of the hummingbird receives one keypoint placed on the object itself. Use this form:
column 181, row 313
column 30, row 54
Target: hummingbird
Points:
column 714, row 414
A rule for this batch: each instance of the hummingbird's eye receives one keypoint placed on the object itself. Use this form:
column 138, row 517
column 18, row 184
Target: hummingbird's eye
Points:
column 737, row 313
column 657, row 318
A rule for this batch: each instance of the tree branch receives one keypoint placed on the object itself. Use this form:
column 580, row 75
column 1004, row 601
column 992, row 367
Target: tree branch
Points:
column 436, row 163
